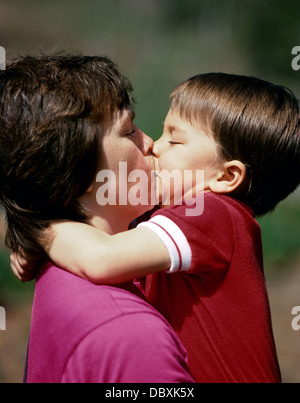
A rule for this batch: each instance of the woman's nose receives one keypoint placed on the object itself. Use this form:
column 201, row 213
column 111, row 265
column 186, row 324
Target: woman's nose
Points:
column 147, row 144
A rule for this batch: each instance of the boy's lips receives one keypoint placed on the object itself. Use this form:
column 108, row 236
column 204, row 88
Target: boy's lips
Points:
column 157, row 176
column 150, row 162
column 156, row 166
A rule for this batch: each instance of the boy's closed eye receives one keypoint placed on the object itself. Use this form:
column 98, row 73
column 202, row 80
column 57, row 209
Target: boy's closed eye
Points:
column 172, row 142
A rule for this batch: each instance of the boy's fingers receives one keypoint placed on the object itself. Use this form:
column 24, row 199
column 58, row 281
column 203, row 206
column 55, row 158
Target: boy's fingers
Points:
column 15, row 266
column 21, row 267
column 15, row 270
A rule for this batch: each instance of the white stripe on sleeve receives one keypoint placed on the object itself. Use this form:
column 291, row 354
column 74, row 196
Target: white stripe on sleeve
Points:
column 174, row 240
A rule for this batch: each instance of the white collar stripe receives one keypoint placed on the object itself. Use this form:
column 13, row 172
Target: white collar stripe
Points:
column 174, row 240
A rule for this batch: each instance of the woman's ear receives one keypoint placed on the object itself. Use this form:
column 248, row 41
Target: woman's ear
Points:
column 230, row 178
column 90, row 188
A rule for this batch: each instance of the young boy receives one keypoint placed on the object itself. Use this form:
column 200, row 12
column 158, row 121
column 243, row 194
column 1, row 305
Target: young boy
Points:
column 205, row 272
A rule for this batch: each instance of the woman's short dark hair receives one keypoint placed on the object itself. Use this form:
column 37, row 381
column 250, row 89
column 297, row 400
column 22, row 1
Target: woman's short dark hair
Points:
column 253, row 121
column 53, row 110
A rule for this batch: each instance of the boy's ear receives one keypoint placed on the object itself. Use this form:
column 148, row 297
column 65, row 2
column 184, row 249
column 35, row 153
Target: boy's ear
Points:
column 230, row 178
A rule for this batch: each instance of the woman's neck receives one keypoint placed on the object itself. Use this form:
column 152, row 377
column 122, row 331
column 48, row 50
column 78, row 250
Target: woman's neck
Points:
column 109, row 225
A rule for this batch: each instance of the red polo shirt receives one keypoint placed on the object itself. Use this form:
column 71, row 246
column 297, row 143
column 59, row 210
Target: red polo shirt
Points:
column 216, row 298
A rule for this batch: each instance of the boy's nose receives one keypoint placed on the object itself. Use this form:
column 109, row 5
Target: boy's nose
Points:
column 157, row 148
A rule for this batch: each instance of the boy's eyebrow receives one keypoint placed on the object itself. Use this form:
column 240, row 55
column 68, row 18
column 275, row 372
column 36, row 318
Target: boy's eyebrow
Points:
column 171, row 128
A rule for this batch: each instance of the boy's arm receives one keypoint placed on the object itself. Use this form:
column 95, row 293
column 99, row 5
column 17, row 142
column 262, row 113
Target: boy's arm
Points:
column 107, row 259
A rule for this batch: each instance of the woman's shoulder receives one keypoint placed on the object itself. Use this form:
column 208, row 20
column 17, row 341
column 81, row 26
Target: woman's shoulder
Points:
column 63, row 295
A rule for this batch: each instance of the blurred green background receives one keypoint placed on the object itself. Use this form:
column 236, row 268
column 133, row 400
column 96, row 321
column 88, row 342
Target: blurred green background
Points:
column 158, row 44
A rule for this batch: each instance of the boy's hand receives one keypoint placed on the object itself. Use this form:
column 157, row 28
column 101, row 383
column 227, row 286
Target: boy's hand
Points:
column 23, row 265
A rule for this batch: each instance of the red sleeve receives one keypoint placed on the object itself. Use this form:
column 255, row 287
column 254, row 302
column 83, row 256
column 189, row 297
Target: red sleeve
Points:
column 196, row 244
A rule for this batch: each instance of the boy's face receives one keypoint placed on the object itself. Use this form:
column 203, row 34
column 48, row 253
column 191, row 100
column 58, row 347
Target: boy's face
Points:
column 186, row 147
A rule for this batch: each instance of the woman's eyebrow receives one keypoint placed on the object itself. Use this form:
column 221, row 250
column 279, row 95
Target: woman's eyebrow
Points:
column 132, row 115
column 127, row 121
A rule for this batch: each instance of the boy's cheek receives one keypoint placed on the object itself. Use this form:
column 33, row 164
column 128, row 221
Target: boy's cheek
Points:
column 168, row 162
column 170, row 186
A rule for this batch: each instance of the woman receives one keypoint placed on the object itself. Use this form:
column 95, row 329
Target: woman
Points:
column 62, row 119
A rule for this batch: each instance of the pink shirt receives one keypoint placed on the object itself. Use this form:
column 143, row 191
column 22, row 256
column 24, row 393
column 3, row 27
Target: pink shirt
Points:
column 84, row 333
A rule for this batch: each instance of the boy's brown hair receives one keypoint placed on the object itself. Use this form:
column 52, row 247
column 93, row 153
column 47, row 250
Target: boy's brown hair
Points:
column 53, row 110
column 253, row 121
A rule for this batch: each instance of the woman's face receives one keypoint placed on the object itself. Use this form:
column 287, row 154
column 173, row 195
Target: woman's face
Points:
column 123, row 142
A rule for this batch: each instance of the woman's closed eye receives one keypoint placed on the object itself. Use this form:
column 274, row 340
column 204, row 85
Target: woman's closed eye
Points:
column 131, row 133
